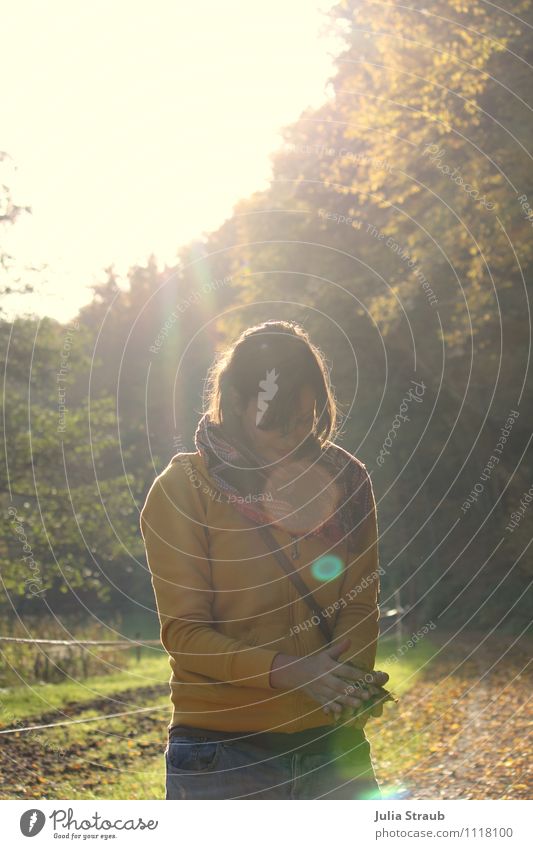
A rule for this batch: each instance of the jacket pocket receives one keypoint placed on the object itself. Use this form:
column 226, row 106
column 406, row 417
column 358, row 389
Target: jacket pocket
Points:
column 252, row 639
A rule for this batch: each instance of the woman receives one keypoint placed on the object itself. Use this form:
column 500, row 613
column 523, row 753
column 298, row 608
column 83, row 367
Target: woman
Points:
column 263, row 705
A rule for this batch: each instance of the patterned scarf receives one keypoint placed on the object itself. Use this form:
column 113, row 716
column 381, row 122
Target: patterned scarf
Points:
column 229, row 468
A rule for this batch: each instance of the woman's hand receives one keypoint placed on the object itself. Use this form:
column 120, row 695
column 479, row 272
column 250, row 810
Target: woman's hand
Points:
column 361, row 715
column 324, row 679
column 360, row 718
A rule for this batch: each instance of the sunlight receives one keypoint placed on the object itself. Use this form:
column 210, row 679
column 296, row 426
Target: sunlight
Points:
column 136, row 129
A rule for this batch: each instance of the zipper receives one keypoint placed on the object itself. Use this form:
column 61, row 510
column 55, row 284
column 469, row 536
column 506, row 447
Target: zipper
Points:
column 295, row 600
column 295, row 551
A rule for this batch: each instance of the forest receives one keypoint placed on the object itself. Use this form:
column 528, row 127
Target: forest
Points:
column 397, row 228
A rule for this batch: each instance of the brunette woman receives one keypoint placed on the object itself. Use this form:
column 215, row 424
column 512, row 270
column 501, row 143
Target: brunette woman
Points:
column 268, row 692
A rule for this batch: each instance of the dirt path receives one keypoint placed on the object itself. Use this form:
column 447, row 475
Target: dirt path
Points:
column 32, row 767
column 464, row 730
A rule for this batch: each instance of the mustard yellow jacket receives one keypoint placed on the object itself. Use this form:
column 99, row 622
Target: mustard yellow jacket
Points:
column 226, row 608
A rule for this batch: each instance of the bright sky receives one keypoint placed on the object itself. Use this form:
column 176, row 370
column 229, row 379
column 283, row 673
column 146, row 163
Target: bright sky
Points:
column 136, row 126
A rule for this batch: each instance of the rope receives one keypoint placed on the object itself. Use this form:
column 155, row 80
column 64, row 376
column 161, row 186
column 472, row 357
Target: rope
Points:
column 128, row 643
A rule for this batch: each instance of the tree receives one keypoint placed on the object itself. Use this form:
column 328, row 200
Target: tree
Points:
column 10, row 211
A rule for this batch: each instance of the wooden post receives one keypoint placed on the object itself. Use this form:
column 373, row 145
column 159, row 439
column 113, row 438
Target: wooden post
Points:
column 399, row 629
column 84, row 661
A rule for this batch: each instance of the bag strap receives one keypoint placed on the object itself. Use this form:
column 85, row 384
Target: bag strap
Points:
column 298, row 582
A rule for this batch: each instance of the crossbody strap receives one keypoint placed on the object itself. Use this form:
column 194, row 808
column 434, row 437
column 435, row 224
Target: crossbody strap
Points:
column 298, row 582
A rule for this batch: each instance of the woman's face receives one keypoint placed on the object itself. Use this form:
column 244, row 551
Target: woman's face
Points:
column 273, row 445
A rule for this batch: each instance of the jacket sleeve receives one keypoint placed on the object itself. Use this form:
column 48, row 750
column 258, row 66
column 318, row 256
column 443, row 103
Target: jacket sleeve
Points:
column 358, row 617
column 174, row 529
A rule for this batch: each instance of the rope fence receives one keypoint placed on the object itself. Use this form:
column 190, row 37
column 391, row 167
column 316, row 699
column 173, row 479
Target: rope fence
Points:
column 70, row 645
column 126, row 643
column 48, row 663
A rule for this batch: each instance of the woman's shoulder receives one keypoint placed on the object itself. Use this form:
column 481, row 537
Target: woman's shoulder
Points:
column 357, row 479
column 181, row 471
column 180, row 483
column 341, row 455
column 182, row 466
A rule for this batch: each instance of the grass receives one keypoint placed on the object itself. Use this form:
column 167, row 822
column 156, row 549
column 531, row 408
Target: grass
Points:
column 403, row 669
column 118, row 758
column 123, row 758
column 148, row 783
column 128, row 784
column 31, row 700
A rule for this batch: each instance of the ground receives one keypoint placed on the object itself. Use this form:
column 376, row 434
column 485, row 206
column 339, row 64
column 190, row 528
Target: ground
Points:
column 459, row 731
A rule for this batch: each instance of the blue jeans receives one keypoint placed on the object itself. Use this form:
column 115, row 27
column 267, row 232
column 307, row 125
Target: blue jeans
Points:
column 237, row 769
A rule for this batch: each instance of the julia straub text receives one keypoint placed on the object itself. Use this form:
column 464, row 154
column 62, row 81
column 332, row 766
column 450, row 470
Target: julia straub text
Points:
column 407, row 815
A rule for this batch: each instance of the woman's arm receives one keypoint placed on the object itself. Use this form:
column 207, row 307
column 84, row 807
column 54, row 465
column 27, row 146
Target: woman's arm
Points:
column 174, row 528
column 358, row 616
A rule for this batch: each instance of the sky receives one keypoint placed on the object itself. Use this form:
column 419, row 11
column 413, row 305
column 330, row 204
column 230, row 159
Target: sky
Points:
column 135, row 127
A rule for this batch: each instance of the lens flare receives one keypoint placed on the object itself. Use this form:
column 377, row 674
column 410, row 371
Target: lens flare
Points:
column 327, row 568
column 394, row 791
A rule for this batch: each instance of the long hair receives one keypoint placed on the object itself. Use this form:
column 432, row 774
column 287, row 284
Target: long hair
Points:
column 234, row 379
